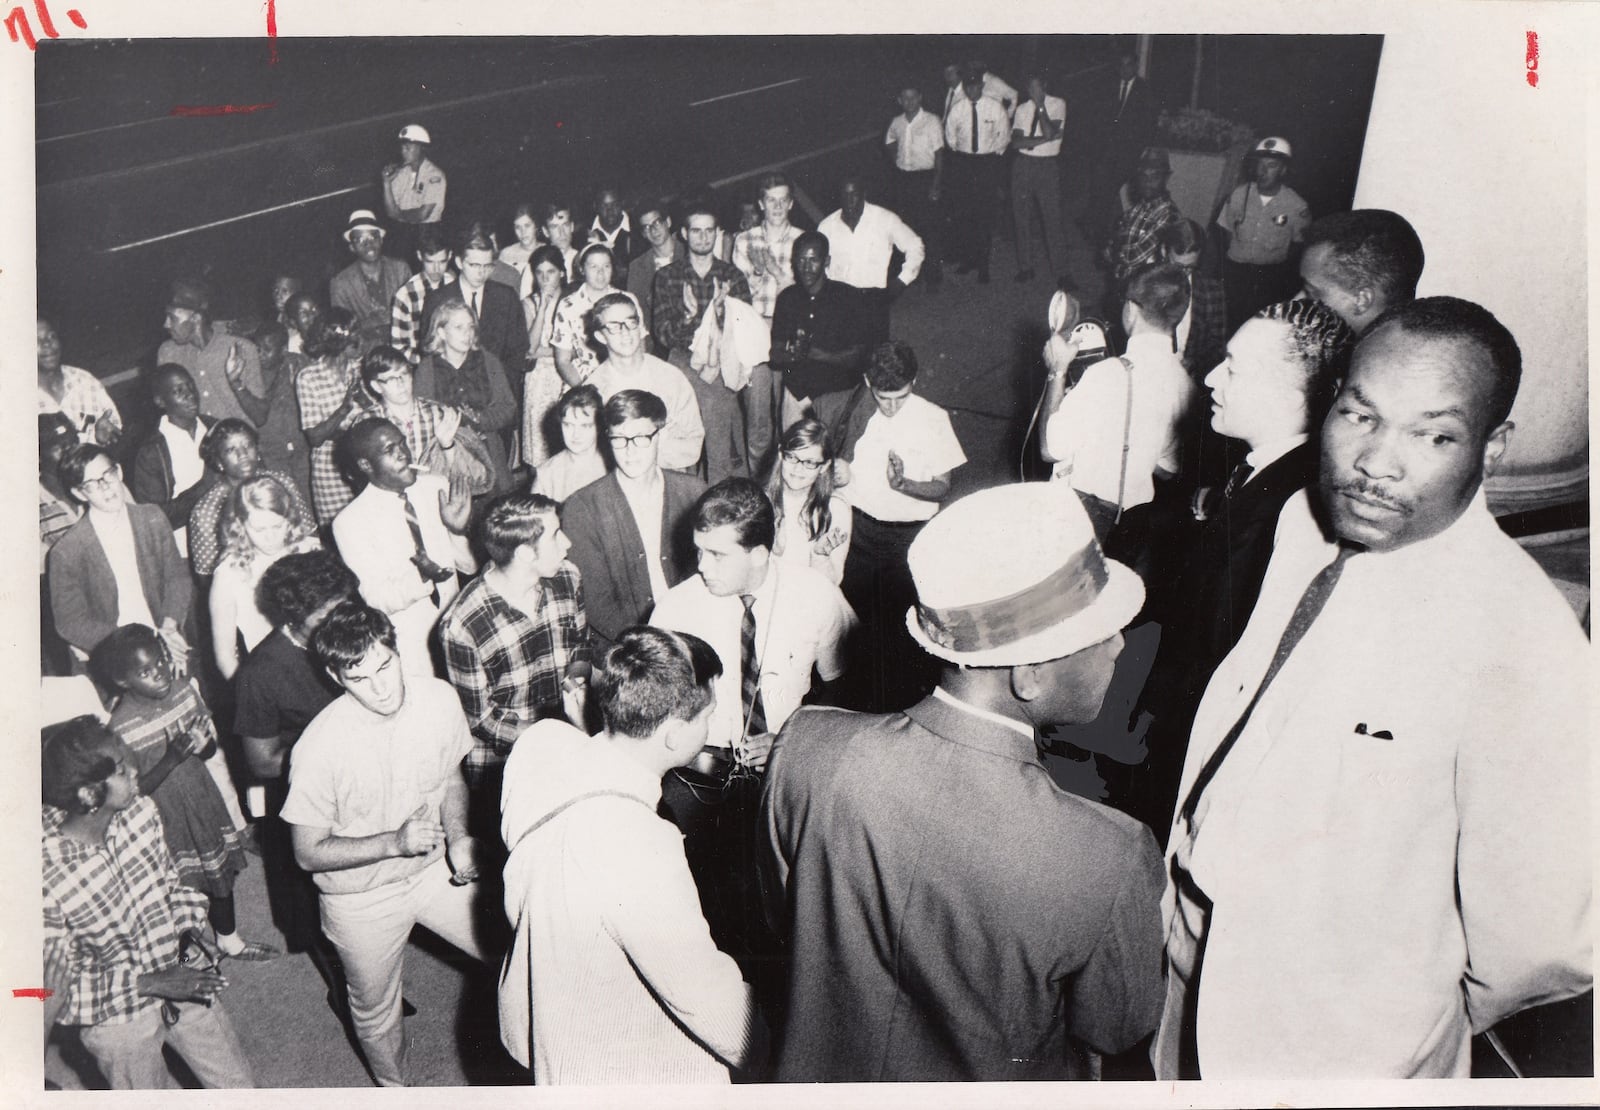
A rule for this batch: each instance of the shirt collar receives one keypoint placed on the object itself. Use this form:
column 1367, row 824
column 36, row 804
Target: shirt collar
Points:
column 171, row 430
column 1272, row 451
column 988, row 715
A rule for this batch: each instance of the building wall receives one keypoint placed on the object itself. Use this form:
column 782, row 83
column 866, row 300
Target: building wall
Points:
column 1492, row 173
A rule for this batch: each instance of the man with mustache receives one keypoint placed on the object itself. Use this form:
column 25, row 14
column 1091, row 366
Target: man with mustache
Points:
column 1377, row 849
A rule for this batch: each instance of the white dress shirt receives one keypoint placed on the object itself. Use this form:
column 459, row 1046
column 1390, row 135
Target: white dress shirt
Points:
column 115, row 533
column 1086, row 432
column 375, row 542
column 801, row 622
column 860, row 256
column 994, row 127
column 647, row 499
column 916, row 143
column 1055, row 110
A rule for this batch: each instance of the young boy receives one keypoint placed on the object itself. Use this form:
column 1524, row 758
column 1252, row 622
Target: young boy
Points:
column 570, row 470
column 164, row 722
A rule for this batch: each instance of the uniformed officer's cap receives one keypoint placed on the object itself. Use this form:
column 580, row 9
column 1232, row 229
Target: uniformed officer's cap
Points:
column 414, row 133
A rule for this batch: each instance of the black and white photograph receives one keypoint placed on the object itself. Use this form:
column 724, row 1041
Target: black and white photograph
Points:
column 719, row 555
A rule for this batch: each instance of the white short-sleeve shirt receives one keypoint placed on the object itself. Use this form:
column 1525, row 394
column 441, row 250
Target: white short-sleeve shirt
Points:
column 920, row 433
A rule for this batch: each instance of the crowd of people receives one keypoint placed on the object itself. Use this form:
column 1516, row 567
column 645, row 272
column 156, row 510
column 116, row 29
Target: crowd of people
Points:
column 598, row 603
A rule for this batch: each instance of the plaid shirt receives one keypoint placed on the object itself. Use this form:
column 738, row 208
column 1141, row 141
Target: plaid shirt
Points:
column 420, row 429
column 55, row 517
column 507, row 667
column 1136, row 241
column 321, row 389
column 405, row 315
column 84, row 401
column 754, row 250
column 204, row 544
column 1208, row 327
column 670, row 328
column 113, row 913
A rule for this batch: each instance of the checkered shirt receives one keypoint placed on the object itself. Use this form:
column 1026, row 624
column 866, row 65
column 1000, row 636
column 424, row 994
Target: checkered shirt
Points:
column 84, row 400
column 669, row 326
column 113, row 913
column 421, row 430
column 507, row 667
column 405, row 316
column 55, row 517
column 205, row 546
column 320, row 388
column 776, row 262
column 1137, row 241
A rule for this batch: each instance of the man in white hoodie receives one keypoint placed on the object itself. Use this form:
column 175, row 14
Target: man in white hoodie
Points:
column 612, row 952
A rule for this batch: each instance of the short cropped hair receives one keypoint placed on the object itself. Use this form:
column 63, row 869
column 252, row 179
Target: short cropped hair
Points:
column 1319, row 341
column 697, row 206
column 431, row 240
column 112, row 656
column 1372, row 247
column 773, row 181
column 585, row 397
column 634, row 404
column 514, row 520
column 297, row 585
column 548, row 212
column 349, row 633
column 809, row 239
column 1451, row 318
column 1182, row 236
column 741, row 503
column 76, row 460
column 74, row 758
column 382, row 360
column 476, row 236
column 651, row 676
column 222, row 431
column 892, row 366
column 1160, row 293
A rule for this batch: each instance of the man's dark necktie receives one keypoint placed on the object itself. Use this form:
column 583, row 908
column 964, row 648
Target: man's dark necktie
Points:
column 1034, row 130
column 473, row 304
column 416, row 538
column 974, row 104
column 1237, row 479
column 750, row 671
column 1310, row 606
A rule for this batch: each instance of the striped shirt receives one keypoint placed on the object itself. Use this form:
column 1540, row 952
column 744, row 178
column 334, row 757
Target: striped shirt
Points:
column 507, row 666
column 113, row 913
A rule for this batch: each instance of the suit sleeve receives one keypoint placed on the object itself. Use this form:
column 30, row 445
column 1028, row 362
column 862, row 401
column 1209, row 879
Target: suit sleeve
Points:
column 501, row 411
column 1523, row 801
column 148, row 482
column 516, row 341
column 1116, row 998
column 69, row 602
column 177, row 585
column 602, row 608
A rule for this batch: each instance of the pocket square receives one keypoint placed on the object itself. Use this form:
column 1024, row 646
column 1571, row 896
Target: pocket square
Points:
column 1381, row 734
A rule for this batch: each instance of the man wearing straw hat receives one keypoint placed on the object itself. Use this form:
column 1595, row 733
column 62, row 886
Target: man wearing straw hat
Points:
column 951, row 913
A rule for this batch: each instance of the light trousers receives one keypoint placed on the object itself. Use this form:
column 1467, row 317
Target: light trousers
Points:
column 129, row 1053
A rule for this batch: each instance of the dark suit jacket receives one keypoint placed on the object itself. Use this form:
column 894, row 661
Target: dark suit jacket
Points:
column 939, row 932
column 152, row 481
column 83, row 593
column 609, row 552
column 502, row 328
column 1132, row 129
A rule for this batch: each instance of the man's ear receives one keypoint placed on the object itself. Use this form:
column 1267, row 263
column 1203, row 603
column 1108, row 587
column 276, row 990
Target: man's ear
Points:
column 1495, row 447
column 365, row 466
column 1026, row 683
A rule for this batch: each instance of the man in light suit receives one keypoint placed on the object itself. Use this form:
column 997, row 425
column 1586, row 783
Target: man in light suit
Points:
column 629, row 530
column 1378, row 847
column 951, row 913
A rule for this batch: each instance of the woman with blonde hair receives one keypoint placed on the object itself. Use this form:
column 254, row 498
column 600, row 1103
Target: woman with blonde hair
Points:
column 258, row 527
column 813, row 521
column 456, row 372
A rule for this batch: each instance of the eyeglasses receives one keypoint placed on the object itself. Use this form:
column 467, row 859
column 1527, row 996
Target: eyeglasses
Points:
column 619, row 327
column 105, row 481
column 636, row 442
column 812, row 465
column 651, row 225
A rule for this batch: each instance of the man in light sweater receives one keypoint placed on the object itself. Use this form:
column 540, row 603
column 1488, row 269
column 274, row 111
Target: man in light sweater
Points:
column 612, row 952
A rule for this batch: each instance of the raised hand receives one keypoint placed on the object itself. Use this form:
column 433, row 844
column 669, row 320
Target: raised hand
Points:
column 455, row 504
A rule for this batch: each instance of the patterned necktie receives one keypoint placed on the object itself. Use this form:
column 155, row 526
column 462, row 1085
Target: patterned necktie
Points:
column 1236, row 480
column 416, row 538
column 750, row 671
column 1310, row 606
column 974, row 104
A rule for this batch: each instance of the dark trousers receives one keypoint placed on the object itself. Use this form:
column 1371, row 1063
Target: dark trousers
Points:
column 1036, row 183
column 971, row 183
column 887, row 670
column 916, row 208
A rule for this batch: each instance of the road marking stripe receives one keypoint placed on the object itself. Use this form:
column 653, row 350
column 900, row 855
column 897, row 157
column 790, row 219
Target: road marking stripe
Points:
column 299, row 136
column 232, row 219
column 101, row 130
column 747, row 92
column 773, row 166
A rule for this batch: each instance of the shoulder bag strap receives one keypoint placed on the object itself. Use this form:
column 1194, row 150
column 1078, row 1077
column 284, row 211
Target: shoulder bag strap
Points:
column 1127, row 429
column 568, row 804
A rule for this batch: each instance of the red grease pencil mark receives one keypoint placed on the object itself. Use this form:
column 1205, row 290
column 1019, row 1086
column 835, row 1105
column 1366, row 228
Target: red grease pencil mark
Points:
column 20, row 30
column 41, row 993
column 1533, row 59
column 219, row 109
column 272, row 32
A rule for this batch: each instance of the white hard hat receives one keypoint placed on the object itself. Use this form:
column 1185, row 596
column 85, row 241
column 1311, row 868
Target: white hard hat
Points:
column 414, row 133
